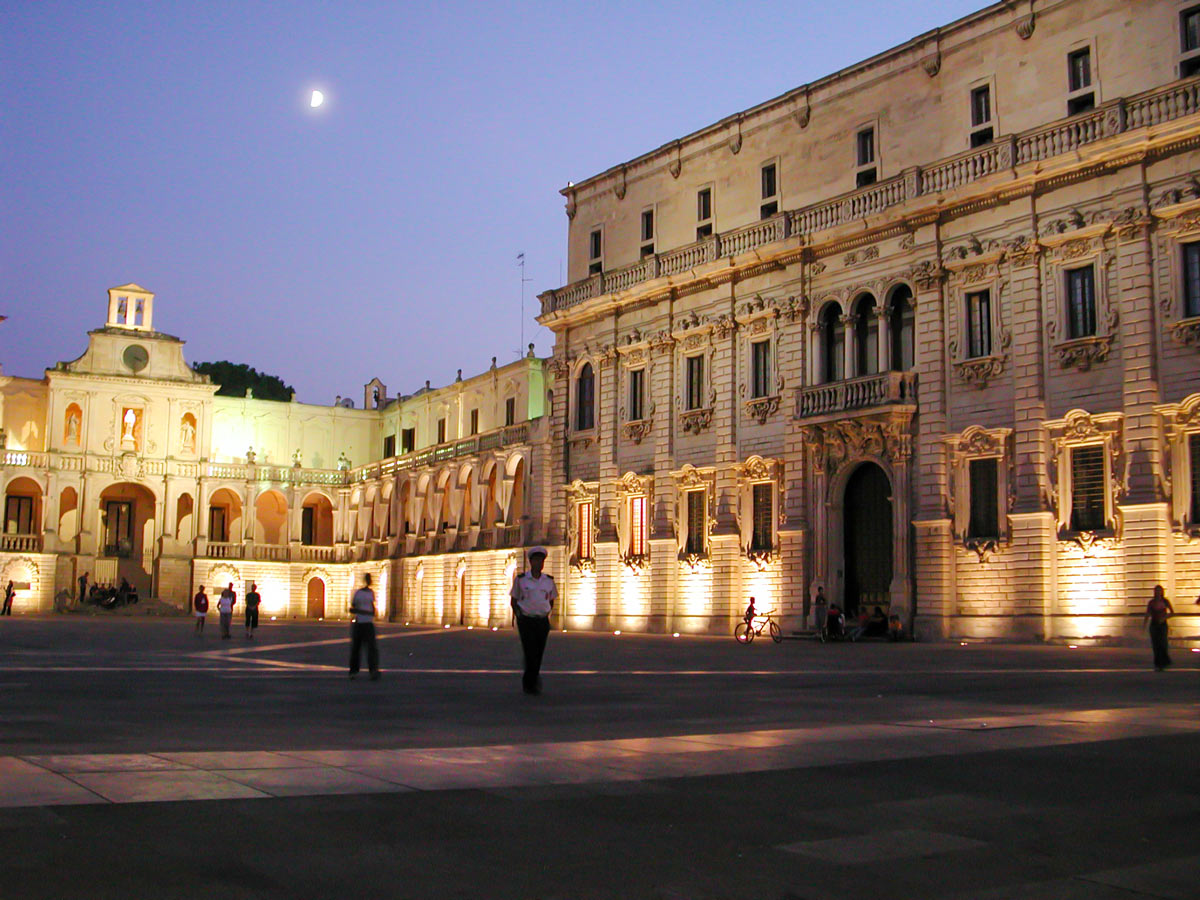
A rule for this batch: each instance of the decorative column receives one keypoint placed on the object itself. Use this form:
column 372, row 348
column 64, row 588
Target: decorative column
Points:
column 848, row 344
column 885, row 337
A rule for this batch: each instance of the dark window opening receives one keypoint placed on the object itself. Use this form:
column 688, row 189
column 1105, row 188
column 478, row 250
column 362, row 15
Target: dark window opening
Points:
column 1081, row 303
column 218, row 526
column 1189, row 67
column 1079, row 69
column 1194, row 456
column 408, row 440
column 985, row 519
column 1081, row 104
column 982, row 137
column 474, row 421
column 760, row 364
column 979, row 324
column 865, row 145
column 637, row 392
column 18, row 515
column 769, row 182
column 389, row 446
column 768, row 209
column 585, row 388
column 510, row 411
column 704, row 231
column 118, row 538
column 1189, row 28
column 595, row 252
column 306, row 526
column 1087, row 489
column 981, row 105
column 695, row 522
column 441, row 431
column 902, row 321
column 864, row 178
column 866, row 337
column 833, row 343
column 704, row 205
column 761, row 538
column 1191, row 280
column 695, row 382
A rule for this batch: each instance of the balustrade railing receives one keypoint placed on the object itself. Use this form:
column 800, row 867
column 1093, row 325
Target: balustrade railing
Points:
column 21, row 543
column 311, row 553
column 1153, row 107
column 856, row 393
column 224, row 550
column 271, row 552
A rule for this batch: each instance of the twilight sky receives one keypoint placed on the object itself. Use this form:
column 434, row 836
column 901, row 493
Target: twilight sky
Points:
column 171, row 144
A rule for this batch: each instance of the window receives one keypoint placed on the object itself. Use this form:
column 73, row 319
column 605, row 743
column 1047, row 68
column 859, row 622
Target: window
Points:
column 306, row 526
column 760, row 369
column 833, row 343
column 218, row 526
column 118, row 520
column 1081, row 303
column 1191, row 280
column 637, row 526
column 695, row 522
column 474, row 421
column 982, row 131
column 902, row 322
column 865, row 156
column 695, row 382
column 647, row 232
column 18, row 515
column 408, row 440
column 985, row 518
column 770, row 191
column 979, row 324
column 510, row 411
column 389, row 446
column 637, row 394
column 1194, row 456
column 1189, row 35
column 585, row 393
column 1087, row 488
column 704, row 213
column 595, row 252
column 583, row 530
column 1079, row 82
column 761, row 497
column 441, row 431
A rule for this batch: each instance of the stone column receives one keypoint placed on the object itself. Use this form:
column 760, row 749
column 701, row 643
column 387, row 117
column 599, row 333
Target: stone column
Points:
column 848, row 345
column 885, row 338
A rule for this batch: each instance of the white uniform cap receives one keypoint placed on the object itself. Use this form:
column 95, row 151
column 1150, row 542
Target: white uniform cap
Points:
column 534, row 551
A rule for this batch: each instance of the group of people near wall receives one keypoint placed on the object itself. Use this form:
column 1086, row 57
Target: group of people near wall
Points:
column 225, row 604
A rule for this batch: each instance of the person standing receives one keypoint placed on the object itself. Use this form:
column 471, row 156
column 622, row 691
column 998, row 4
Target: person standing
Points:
column 83, row 580
column 252, row 601
column 362, row 629
column 1158, row 610
column 200, row 605
column 225, row 605
column 9, row 593
column 533, row 595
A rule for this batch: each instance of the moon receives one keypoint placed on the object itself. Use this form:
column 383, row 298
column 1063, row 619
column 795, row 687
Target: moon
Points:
column 317, row 98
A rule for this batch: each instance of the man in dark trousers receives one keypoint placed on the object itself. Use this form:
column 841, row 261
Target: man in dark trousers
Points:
column 83, row 579
column 533, row 595
column 362, row 629
column 252, row 601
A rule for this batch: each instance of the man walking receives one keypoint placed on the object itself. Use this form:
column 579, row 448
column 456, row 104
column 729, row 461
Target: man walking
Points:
column 1158, row 610
column 362, row 629
column 200, row 605
column 533, row 595
column 83, row 580
column 225, row 610
column 252, row 601
column 9, row 593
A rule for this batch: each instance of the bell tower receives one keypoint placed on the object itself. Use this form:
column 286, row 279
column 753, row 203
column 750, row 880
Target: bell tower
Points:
column 130, row 306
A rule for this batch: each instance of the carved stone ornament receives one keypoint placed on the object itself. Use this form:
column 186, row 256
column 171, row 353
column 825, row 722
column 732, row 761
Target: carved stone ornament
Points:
column 675, row 166
column 984, row 547
column 662, row 343
column 817, row 268
column 571, row 206
column 1175, row 196
column 695, row 561
column 803, row 115
column 1075, row 249
column 621, row 186
column 638, row 431
column 1022, row 251
column 908, row 242
column 833, row 443
column 724, row 326
column 1071, row 222
column 1132, row 223
column 927, row 275
column 637, row 563
column 980, row 370
column 932, row 64
column 1083, row 353
column 632, row 483
column 1024, row 26
column 1187, row 332
column 762, row 558
column 735, row 143
column 695, row 421
column 762, row 408
column 756, row 469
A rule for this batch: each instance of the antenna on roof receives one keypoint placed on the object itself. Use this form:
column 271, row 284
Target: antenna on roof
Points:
column 524, row 280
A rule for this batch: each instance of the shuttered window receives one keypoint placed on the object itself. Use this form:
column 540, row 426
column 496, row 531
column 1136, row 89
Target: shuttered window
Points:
column 761, row 539
column 695, row 522
column 695, row 382
column 637, row 394
column 979, row 324
column 1081, row 303
column 1087, row 489
column 1194, row 455
column 583, row 527
column 585, row 394
column 637, row 526
column 985, row 519
column 760, row 362
column 1191, row 280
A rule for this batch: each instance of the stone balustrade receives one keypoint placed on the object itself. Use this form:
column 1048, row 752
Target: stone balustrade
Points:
column 836, row 397
column 21, row 543
column 507, row 436
column 1154, row 107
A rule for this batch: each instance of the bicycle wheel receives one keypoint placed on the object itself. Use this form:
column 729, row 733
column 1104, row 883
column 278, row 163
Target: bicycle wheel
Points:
column 743, row 634
column 776, row 634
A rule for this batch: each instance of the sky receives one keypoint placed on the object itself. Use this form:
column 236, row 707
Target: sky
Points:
column 172, row 145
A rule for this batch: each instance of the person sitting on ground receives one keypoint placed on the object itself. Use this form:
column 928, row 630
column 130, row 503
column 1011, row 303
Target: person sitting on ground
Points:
column 860, row 624
column 835, row 622
column 877, row 624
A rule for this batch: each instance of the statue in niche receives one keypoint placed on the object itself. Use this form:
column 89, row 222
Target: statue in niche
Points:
column 128, row 421
column 296, row 459
column 342, row 462
column 251, row 456
column 73, row 428
column 187, row 435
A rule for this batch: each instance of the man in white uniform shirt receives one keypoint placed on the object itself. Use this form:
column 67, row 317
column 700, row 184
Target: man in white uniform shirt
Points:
column 533, row 596
column 362, row 629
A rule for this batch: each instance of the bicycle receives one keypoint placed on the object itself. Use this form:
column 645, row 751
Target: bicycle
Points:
column 745, row 632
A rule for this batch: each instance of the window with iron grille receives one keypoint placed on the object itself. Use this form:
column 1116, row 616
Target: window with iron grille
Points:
column 695, row 522
column 637, row 394
column 1081, row 302
column 637, row 526
column 760, row 365
column 979, row 324
column 695, row 382
column 985, row 520
column 1191, row 280
column 763, row 535
column 583, row 530
column 1087, row 489
column 1194, row 458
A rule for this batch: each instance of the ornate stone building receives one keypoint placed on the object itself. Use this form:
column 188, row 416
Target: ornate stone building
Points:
column 125, row 465
column 921, row 334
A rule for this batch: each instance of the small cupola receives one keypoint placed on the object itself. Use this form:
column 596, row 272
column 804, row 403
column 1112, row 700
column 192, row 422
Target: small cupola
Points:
column 130, row 306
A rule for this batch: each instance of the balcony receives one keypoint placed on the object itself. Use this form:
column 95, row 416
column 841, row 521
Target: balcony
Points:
column 866, row 392
column 1154, row 107
column 467, row 446
column 21, row 543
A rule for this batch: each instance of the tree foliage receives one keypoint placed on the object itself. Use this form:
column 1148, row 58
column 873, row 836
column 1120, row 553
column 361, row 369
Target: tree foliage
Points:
column 235, row 378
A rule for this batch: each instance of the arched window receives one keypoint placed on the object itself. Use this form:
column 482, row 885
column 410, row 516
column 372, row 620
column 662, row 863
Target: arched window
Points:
column 585, row 397
column 833, row 343
column 866, row 336
column 902, row 322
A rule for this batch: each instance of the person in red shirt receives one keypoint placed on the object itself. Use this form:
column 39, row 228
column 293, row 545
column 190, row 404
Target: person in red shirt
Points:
column 1158, row 610
column 200, row 605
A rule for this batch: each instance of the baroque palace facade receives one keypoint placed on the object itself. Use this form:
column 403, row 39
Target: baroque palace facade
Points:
column 923, row 334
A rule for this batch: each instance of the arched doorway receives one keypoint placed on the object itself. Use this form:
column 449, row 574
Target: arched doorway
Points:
column 128, row 535
column 867, row 540
column 316, row 598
